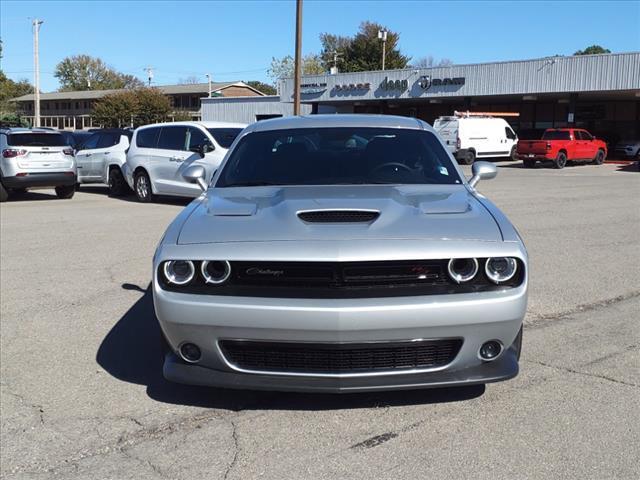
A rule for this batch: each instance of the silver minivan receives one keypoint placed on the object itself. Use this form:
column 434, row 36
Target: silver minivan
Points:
column 160, row 153
column 35, row 158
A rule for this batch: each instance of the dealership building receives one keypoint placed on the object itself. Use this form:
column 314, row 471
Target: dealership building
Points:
column 598, row 92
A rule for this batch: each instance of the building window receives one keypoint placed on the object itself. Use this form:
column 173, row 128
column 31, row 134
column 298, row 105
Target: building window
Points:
column 86, row 104
column 77, row 105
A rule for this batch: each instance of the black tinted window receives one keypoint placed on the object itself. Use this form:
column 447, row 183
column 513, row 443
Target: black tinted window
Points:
column 196, row 138
column 173, row 138
column 509, row 133
column 92, row 142
column 224, row 136
column 556, row 135
column 148, row 137
column 36, row 140
column 108, row 140
column 585, row 135
column 338, row 156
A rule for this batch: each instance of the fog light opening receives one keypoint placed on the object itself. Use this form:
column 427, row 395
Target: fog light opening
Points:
column 190, row 352
column 490, row 350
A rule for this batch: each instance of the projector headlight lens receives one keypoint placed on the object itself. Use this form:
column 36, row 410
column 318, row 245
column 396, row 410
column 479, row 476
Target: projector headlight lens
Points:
column 462, row 269
column 179, row 272
column 501, row 269
column 215, row 272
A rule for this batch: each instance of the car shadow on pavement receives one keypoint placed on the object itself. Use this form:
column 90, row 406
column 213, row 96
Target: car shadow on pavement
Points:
column 33, row 195
column 131, row 352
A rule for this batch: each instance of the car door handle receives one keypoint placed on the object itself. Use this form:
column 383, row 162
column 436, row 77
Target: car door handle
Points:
column 106, row 153
column 176, row 159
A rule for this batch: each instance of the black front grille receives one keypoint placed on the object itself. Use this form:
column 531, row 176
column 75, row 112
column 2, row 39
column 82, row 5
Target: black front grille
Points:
column 338, row 216
column 335, row 280
column 340, row 358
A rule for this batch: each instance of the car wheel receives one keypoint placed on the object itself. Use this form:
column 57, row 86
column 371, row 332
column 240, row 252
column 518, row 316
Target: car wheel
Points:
column 65, row 191
column 117, row 184
column 4, row 195
column 560, row 161
column 468, row 158
column 529, row 163
column 142, row 185
column 599, row 160
column 514, row 153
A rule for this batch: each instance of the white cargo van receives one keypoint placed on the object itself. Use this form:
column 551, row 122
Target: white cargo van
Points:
column 470, row 135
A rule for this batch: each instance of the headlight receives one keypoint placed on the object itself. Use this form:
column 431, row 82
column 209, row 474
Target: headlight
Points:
column 215, row 271
column 462, row 269
column 500, row 269
column 178, row 272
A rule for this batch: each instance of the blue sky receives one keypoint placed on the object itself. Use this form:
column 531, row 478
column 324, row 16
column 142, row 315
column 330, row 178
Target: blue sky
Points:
column 235, row 40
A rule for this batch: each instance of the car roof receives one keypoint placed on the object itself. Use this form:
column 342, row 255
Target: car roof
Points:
column 339, row 120
column 26, row 130
column 205, row 124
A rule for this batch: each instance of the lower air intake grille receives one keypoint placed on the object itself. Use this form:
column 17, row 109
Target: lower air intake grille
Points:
column 339, row 358
column 338, row 216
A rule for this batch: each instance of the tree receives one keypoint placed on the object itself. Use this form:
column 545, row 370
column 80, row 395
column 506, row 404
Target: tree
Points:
column 283, row 67
column 140, row 107
column 429, row 61
column 83, row 72
column 593, row 50
column 116, row 110
column 262, row 87
column 363, row 52
column 153, row 106
column 191, row 80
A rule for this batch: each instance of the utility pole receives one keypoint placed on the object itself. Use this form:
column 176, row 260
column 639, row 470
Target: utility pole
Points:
column 36, row 72
column 382, row 35
column 149, row 71
column 298, row 59
column 208, row 75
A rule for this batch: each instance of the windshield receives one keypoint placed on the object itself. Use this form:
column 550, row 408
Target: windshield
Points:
column 338, row 156
column 36, row 140
column 556, row 135
column 224, row 136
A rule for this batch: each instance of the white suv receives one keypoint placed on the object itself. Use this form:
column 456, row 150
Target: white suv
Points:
column 160, row 153
column 35, row 158
column 100, row 159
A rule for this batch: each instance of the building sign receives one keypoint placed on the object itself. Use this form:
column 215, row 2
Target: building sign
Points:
column 425, row 81
column 350, row 87
column 311, row 88
column 388, row 85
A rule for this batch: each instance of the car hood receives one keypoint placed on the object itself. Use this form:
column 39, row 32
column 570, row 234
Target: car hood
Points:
column 263, row 214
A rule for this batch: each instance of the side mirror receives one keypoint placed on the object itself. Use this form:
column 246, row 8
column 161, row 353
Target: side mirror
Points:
column 482, row 171
column 196, row 174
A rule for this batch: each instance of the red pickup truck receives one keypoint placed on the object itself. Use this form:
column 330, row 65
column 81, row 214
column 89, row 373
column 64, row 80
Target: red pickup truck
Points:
column 561, row 145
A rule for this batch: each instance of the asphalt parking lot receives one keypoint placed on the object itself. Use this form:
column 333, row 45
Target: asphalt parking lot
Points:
column 82, row 395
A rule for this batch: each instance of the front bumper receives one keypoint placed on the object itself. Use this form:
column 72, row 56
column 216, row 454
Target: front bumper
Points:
column 475, row 318
column 29, row 180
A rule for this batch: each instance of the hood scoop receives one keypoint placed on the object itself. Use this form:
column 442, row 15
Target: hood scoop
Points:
column 338, row 216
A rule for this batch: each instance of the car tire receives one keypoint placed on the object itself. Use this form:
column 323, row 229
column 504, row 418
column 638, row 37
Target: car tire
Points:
column 65, row 191
column 117, row 185
column 560, row 161
column 4, row 195
column 599, row 158
column 142, row 187
column 514, row 153
column 468, row 158
column 529, row 163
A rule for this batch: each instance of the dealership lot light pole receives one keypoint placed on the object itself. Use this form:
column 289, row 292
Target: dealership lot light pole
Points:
column 298, row 59
column 36, row 72
column 382, row 35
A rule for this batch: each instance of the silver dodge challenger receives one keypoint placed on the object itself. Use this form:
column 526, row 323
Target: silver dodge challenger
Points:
column 340, row 253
